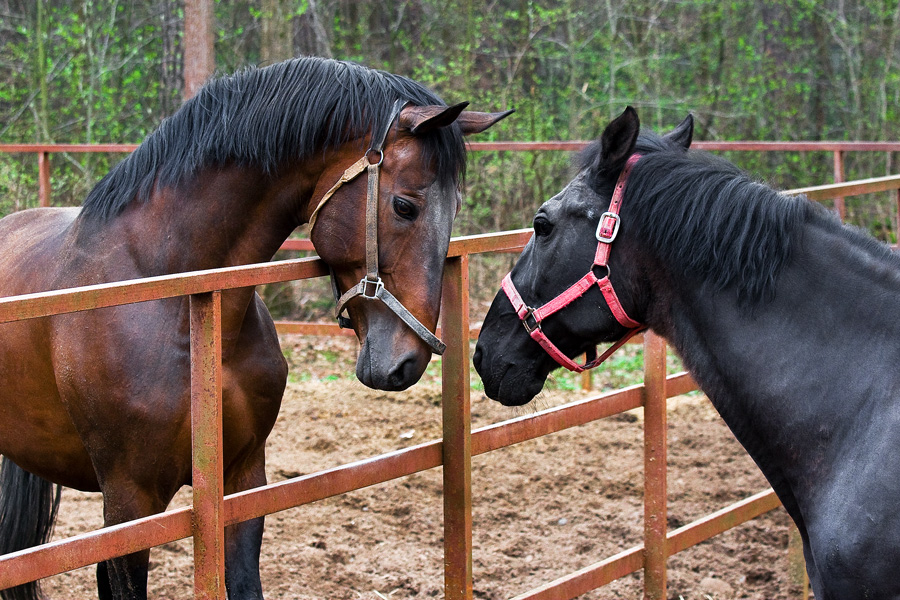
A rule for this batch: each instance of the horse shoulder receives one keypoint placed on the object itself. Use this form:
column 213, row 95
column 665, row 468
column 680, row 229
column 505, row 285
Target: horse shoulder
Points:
column 30, row 242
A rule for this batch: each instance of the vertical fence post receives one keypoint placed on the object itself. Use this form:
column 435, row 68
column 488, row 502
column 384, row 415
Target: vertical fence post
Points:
column 796, row 564
column 208, row 514
column 655, row 514
column 199, row 44
column 44, row 178
column 586, row 383
column 839, row 204
column 897, row 224
column 457, row 445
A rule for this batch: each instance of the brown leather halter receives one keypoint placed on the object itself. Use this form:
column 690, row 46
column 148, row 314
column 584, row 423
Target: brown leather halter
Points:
column 371, row 287
column 531, row 318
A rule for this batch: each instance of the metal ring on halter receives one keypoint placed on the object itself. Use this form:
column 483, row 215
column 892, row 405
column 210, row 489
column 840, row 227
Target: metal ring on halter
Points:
column 380, row 157
column 608, row 272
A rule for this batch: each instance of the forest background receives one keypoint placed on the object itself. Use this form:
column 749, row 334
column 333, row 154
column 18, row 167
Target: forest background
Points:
column 91, row 71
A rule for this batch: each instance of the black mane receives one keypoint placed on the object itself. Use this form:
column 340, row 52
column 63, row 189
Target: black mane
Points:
column 269, row 117
column 703, row 216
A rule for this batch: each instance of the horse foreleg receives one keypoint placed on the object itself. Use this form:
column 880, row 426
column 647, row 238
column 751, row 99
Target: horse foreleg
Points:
column 242, row 547
column 125, row 577
column 244, row 540
column 104, row 591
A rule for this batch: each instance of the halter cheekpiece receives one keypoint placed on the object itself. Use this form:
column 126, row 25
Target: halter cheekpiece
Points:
column 371, row 287
column 607, row 230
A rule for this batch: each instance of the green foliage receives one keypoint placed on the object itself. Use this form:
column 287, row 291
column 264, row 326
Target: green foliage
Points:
column 110, row 70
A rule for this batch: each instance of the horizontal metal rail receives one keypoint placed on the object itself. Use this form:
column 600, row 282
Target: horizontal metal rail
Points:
column 837, row 148
column 551, row 145
column 849, row 188
column 89, row 548
column 628, row 561
column 81, row 550
column 103, row 295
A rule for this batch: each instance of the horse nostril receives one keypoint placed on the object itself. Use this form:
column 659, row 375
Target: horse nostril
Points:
column 476, row 358
column 405, row 373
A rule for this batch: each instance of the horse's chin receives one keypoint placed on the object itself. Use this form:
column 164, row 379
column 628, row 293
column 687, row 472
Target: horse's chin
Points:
column 390, row 371
column 508, row 385
column 516, row 392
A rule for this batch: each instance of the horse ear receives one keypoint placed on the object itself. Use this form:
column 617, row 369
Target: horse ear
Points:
column 423, row 119
column 618, row 139
column 683, row 134
column 475, row 122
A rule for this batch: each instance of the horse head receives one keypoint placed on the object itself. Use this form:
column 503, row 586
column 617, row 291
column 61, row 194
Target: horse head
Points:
column 581, row 280
column 384, row 229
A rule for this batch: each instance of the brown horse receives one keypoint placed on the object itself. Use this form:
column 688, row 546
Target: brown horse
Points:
column 99, row 400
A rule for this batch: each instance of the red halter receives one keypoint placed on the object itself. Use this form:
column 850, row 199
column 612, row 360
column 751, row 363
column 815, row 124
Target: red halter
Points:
column 607, row 229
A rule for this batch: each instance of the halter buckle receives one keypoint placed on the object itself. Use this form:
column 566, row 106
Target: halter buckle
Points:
column 365, row 282
column 530, row 328
column 608, row 238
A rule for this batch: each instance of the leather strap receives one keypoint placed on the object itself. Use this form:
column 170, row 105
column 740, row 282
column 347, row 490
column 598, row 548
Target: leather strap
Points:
column 371, row 286
column 372, row 224
column 377, row 291
column 350, row 173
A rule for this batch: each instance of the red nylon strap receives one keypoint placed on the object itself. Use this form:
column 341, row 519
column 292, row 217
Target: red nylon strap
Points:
column 607, row 229
column 513, row 294
column 569, row 296
column 608, row 226
column 541, row 338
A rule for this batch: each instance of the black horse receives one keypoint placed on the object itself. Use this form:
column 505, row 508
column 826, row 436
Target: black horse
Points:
column 787, row 320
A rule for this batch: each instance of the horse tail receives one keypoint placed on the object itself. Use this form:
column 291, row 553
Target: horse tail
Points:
column 28, row 507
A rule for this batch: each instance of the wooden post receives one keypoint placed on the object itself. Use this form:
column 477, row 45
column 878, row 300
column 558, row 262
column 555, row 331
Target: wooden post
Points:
column 839, row 206
column 208, row 516
column 797, row 564
column 44, row 178
column 457, row 446
column 199, row 49
column 897, row 228
column 586, row 383
column 655, row 425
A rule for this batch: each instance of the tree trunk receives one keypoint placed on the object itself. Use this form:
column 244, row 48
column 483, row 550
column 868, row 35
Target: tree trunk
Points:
column 199, row 54
column 310, row 36
column 275, row 43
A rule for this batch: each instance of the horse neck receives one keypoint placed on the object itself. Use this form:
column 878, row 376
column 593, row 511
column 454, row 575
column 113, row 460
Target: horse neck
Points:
column 222, row 217
column 797, row 369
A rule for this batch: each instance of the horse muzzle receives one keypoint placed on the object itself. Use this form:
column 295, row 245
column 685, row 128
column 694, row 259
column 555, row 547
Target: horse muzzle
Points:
column 392, row 358
column 507, row 383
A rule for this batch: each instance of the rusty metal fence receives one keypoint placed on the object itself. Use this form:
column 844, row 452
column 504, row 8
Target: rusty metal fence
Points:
column 210, row 512
column 837, row 149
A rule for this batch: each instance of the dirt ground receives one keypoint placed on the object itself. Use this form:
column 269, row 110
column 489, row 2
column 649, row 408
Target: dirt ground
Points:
column 542, row 509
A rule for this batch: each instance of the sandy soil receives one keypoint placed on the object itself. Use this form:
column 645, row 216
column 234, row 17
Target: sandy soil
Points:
column 541, row 509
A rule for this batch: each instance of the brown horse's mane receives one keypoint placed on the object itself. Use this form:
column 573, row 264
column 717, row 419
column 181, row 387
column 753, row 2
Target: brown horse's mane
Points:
column 270, row 117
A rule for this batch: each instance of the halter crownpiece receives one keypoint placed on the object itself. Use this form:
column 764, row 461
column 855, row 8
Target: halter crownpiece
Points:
column 371, row 287
column 607, row 230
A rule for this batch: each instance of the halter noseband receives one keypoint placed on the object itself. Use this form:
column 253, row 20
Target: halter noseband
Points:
column 531, row 318
column 371, row 287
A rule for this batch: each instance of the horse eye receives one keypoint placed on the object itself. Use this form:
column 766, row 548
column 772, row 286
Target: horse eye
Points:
column 542, row 226
column 405, row 209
